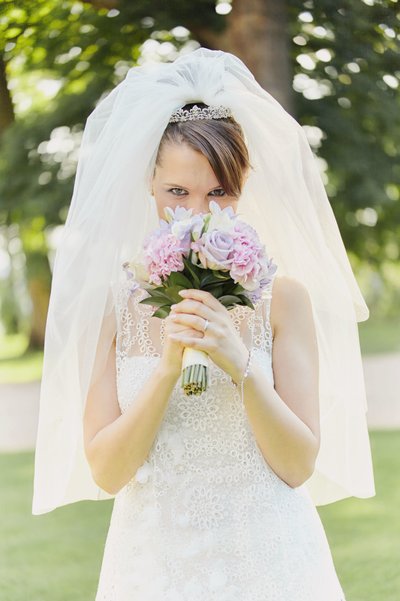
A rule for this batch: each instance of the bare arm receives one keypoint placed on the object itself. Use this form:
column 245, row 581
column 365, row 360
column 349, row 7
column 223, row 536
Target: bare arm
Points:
column 116, row 444
column 285, row 417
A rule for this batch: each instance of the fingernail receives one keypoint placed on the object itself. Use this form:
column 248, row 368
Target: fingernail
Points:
column 173, row 306
column 182, row 292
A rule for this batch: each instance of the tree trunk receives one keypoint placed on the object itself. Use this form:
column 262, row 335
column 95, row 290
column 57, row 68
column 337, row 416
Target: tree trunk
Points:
column 6, row 106
column 256, row 31
column 37, row 264
column 38, row 282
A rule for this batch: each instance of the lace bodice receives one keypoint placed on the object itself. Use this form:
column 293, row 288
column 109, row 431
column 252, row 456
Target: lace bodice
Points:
column 140, row 340
column 140, row 334
column 205, row 517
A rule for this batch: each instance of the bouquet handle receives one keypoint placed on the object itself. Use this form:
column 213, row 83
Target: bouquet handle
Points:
column 194, row 371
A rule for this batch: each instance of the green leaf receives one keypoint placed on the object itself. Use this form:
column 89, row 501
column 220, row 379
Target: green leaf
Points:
column 235, row 289
column 209, row 278
column 229, row 299
column 158, row 292
column 221, row 275
column 246, row 301
column 193, row 270
column 162, row 312
column 155, row 301
column 217, row 290
column 177, row 278
column 172, row 293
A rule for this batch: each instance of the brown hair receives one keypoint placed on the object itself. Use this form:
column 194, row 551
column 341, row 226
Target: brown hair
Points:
column 220, row 140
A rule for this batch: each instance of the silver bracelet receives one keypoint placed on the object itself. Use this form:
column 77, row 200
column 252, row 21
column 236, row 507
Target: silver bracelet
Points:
column 246, row 372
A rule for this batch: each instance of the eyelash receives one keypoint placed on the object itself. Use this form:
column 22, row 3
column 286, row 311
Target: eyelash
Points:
column 218, row 189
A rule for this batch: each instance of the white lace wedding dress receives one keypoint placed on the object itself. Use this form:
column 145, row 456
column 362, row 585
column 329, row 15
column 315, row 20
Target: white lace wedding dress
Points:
column 205, row 518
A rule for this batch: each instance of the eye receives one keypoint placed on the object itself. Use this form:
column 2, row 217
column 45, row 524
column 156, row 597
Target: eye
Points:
column 219, row 190
column 181, row 189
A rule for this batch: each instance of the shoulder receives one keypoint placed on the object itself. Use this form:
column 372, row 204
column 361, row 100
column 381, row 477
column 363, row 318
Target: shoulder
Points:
column 290, row 303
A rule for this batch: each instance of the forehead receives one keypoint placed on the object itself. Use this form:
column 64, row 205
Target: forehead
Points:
column 183, row 161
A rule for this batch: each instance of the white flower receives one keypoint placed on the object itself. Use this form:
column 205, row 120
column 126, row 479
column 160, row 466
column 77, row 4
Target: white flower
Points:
column 137, row 270
column 179, row 214
column 181, row 228
column 221, row 219
column 141, row 273
column 182, row 222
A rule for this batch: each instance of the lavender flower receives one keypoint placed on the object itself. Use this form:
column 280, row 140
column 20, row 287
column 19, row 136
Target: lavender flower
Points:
column 214, row 250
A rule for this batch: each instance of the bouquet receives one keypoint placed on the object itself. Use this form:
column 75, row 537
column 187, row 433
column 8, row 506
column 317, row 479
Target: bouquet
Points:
column 214, row 251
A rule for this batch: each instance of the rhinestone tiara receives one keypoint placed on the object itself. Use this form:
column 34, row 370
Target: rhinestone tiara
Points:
column 210, row 112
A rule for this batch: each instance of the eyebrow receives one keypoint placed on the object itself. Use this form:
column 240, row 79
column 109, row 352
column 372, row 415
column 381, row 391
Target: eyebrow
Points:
column 180, row 186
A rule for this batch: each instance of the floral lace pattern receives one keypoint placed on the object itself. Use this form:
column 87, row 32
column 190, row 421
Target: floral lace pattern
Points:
column 205, row 517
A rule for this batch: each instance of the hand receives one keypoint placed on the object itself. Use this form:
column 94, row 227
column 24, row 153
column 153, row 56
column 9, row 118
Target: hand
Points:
column 172, row 353
column 220, row 341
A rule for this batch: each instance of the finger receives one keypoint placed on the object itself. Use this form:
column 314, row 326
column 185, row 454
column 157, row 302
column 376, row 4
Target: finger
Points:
column 202, row 296
column 182, row 329
column 202, row 344
column 196, row 307
column 194, row 321
column 173, row 327
column 188, row 335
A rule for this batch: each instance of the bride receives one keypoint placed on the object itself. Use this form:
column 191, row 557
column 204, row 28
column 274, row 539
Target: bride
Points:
column 214, row 496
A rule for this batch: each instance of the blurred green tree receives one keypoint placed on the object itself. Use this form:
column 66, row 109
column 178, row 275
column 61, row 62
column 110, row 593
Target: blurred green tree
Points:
column 334, row 66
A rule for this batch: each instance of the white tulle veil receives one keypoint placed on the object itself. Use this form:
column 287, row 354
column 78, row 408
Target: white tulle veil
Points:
column 110, row 213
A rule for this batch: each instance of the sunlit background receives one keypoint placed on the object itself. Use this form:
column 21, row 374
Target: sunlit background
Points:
column 334, row 66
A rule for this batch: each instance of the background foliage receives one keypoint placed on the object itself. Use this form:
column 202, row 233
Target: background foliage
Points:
column 57, row 59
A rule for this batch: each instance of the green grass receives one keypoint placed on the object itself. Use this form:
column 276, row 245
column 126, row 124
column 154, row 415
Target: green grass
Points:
column 364, row 534
column 16, row 363
column 380, row 335
column 51, row 557
column 57, row 556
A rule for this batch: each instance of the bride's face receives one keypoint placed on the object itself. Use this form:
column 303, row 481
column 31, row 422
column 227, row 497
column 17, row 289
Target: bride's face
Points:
column 185, row 178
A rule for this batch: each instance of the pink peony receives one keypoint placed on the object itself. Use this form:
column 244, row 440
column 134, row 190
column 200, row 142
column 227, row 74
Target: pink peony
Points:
column 268, row 270
column 246, row 256
column 226, row 244
column 162, row 255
